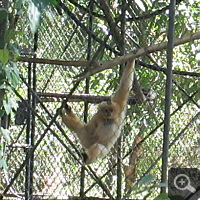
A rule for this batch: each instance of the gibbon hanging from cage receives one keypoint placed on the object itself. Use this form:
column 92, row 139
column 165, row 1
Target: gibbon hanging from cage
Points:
column 100, row 134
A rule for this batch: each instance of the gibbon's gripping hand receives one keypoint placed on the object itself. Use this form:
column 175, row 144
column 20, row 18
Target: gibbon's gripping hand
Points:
column 67, row 108
column 64, row 106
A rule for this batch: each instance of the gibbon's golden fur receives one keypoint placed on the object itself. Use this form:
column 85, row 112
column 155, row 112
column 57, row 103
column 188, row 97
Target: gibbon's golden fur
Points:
column 100, row 134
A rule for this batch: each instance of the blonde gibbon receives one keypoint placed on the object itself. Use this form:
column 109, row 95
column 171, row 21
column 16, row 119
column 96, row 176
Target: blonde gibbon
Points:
column 100, row 134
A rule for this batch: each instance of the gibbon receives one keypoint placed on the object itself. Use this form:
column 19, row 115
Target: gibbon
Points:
column 100, row 134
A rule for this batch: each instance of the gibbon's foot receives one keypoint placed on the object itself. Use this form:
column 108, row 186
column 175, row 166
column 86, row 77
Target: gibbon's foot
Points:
column 85, row 156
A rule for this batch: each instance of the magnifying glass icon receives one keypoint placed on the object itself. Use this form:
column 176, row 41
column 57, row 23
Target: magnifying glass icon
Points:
column 182, row 182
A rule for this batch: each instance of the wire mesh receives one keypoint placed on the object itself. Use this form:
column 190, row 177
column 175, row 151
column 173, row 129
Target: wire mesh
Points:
column 56, row 162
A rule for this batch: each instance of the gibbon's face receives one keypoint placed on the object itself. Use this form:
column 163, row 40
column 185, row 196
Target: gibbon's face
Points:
column 107, row 110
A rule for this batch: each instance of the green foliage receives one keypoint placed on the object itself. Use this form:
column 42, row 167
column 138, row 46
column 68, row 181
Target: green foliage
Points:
column 8, row 73
column 146, row 179
column 162, row 196
column 9, row 77
column 3, row 14
column 5, row 133
column 2, row 160
column 4, row 56
column 147, row 186
column 3, row 163
column 35, row 9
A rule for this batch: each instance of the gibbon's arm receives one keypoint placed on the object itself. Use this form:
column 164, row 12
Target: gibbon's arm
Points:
column 71, row 120
column 125, row 85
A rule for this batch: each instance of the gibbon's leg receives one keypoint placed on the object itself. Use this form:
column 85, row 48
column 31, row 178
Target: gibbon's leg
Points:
column 71, row 120
column 95, row 151
column 121, row 95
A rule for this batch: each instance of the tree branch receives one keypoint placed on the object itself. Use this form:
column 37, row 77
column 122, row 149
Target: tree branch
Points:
column 151, row 15
column 57, row 97
column 54, row 62
column 112, row 24
column 138, row 53
column 83, row 64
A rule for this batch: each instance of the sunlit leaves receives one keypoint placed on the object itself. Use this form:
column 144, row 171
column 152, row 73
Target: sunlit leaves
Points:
column 4, row 55
column 34, row 14
column 147, row 184
column 9, row 73
column 7, row 106
column 12, row 74
column 35, row 10
column 5, row 133
column 3, row 163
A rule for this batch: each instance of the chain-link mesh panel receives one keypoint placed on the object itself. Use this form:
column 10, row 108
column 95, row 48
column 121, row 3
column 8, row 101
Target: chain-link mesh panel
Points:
column 45, row 158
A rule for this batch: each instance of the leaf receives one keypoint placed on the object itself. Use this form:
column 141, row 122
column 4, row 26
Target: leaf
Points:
column 1, row 113
column 35, row 10
column 9, row 33
column 14, row 79
column 162, row 185
column 3, row 163
column 14, row 74
column 18, row 4
column 15, row 68
column 3, row 14
column 2, row 78
column 7, row 106
column 5, row 133
column 54, row 2
column 14, row 48
column 34, row 14
column 162, row 196
column 146, row 179
column 4, row 55
column 7, row 71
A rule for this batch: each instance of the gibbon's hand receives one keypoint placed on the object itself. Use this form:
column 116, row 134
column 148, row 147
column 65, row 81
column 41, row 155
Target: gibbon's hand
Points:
column 66, row 107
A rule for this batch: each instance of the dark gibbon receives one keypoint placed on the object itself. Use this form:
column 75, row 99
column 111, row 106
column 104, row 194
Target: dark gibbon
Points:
column 100, row 134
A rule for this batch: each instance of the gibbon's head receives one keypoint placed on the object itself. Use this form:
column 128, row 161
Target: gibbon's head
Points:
column 108, row 110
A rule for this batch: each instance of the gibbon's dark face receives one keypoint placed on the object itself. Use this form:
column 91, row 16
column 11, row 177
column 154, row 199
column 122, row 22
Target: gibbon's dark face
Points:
column 107, row 110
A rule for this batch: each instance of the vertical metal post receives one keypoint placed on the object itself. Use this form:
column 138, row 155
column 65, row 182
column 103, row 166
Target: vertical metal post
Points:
column 119, row 142
column 30, row 131
column 28, row 128
column 32, row 136
column 168, row 92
